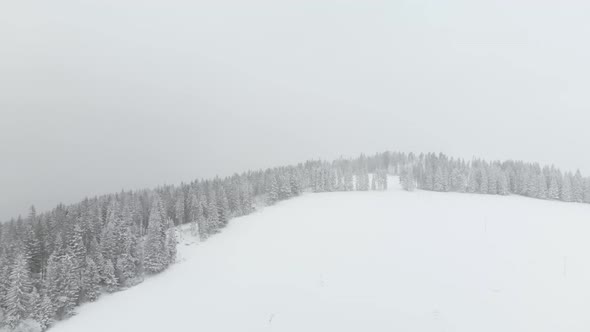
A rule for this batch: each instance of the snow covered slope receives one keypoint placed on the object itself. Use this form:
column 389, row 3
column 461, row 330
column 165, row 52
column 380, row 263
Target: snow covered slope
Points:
column 372, row 261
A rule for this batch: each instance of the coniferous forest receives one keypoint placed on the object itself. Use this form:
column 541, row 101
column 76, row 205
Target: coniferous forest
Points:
column 53, row 261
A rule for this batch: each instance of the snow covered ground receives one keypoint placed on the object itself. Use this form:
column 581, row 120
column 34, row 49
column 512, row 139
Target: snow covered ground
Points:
column 372, row 261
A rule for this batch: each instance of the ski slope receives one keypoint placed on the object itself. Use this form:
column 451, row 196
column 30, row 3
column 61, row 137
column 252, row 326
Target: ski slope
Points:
column 371, row 261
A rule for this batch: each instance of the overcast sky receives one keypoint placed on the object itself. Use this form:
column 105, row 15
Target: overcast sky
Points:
column 99, row 96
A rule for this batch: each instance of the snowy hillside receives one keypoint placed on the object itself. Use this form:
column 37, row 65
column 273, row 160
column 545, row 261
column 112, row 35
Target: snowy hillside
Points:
column 371, row 261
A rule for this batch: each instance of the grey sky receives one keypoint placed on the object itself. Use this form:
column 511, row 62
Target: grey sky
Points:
column 96, row 96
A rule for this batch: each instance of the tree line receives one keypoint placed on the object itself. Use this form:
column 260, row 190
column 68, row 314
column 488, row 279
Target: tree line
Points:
column 52, row 262
column 441, row 173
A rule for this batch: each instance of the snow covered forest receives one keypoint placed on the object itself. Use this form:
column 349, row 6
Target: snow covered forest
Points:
column 53, row 261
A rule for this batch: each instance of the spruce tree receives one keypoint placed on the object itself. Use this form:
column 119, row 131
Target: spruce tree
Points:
column 90, row 281
column 566, row 189
column 362, row 180
column 33, row 252
column 532, row 185
column 125, row 268
column 295, row 183
column 284, row 188
column 456, row 179
column 407, row 179
column 493, row 181
column 246, row 197
column 70, row 295
column 35, row 304
column 503, row 184
column 77, row 248
column 273, row 191
column 553, row 191
column 109, row 245
column 171, row 243
column 233, row 196
column 110, row 280
column 223, row 211
column 196, row 216
column 212, row 224
column 179, row 208
column 348, row 180
column 18, row 295
column 155, row 241
column 483, row 185
column 438, row 180
column 4, row 280
column 54, row 278
column 542, row 187
column 472, row 185
column 578, row 187
column 46, row 312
